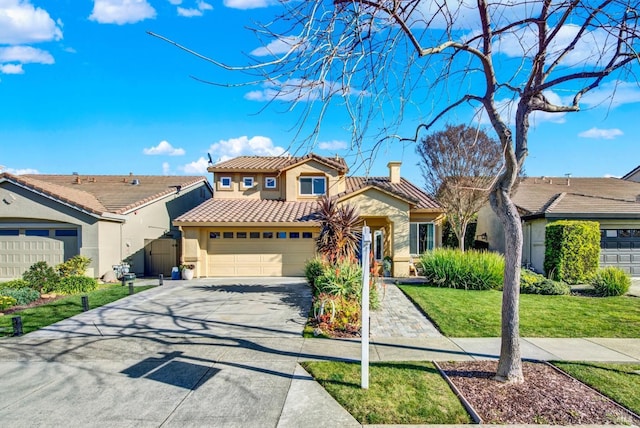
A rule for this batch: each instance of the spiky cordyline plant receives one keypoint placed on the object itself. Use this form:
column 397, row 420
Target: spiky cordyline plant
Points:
column 340, row 230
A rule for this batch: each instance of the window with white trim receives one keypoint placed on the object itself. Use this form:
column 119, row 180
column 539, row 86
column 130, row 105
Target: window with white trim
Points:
column 247, row 182
column 313, row 186
column 270, row 183
column 421, row 238
column 225, row 182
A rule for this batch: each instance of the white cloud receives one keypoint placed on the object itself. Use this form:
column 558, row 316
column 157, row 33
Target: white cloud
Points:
column 175, row 2
column 22, row 171
column 21, row 22
column 613, row 94
column 601, row 134
column 121, row 11
column 233, row 147
column 164, row 148
column 248, row 4
column 198, row 167
column 300, row 90
column 11, row 69
column 332, row 145
column 276, row 47
column 194, row 11
column 166, row 168
column 25, row 55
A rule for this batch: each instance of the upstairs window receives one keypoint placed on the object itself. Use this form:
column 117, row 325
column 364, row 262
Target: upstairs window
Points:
column 225, row 182
column 270, row 183
column 313, row 186
column 247, row 182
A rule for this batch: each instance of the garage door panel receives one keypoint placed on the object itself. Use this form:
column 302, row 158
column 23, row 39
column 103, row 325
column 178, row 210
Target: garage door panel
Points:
column 259, row 257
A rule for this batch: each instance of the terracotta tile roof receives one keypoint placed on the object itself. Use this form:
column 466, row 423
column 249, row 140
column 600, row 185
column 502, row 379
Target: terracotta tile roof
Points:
column 577, row 195
column 275, row 164
column 100, row 194
column 404, row 189
column 251, row 211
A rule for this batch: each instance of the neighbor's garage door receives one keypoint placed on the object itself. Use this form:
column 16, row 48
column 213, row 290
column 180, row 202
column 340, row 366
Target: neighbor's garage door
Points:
column 20, row 248
column 621, row 248
column 259, row 252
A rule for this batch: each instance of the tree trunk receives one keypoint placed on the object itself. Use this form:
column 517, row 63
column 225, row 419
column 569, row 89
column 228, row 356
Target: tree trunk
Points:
column 510, row 363
column 461, row 234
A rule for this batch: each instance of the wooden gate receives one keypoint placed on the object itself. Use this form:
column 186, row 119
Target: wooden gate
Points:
column 160, row 255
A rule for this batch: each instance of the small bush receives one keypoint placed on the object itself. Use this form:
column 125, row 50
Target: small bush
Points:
column 75, row 266
column 23, row 296
column 41, row 276
column 15, row 284
column 313, row 268
column 74, row 285
column 6, row 302
column 469, row 270
column 533, row 283
column 341, row 279
column 611, row 281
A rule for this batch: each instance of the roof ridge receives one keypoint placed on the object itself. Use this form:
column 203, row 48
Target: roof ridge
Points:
column 553, row 202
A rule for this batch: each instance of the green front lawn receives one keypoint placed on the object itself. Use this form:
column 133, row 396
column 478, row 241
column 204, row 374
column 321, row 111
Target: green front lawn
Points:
column 620, row 382
column 399, row 392
column 462, row 313
column 42, row 316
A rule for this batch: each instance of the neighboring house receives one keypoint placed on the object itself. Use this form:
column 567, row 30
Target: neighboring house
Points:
column 633, row 175
column 612, row 202
column 262, row 220
column 109, row 218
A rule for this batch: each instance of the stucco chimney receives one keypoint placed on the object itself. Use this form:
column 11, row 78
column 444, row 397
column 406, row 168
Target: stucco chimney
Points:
column 394, row 171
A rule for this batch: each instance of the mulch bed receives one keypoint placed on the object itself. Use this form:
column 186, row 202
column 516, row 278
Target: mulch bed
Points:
column 547, row 396
column 39, row 302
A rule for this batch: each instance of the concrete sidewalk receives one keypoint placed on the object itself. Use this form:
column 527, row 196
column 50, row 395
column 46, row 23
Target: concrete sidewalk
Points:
column 214, row 353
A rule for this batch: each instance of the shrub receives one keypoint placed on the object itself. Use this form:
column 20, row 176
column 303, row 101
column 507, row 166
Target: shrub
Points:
column 469, row 270
column 15, row 284
column 343, row 278
column 533, row 283
column 6, row 302
column 75, row 266
column 312, row 270
column 41, row 276
column 611, row 281
column 336, row 314
column 74, row 285
column 572, row 250
column 23, row 296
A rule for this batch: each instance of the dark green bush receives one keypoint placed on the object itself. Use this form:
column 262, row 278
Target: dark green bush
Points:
column 611, row 281
column 572, row 250
column 313, row 269
column 41, row 276
column 75, row 266
column 6, row 302
column 533, row 283
column 74, row 285
column 14, row 283
column 23, row 296
column 469, row 270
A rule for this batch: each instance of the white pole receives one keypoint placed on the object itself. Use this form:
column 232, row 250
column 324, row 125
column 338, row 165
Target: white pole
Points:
column 366, row 250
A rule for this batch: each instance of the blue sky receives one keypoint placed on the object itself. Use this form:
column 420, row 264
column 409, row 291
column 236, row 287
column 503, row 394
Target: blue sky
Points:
column 85, row 89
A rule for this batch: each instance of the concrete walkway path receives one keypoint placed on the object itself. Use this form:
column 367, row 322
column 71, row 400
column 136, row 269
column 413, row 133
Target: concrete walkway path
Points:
column 216, row 353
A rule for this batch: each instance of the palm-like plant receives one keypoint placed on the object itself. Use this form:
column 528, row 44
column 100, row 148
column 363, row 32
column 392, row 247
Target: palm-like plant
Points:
column 340, row 230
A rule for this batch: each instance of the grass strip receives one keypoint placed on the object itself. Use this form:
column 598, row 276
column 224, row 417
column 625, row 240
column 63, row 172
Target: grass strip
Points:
column 618, row 381
column 462, row 313
column 399, row 392
column 41, row 316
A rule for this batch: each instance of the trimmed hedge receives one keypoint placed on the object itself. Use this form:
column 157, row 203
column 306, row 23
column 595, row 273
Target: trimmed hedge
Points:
column 572, row 250
column 469, row 270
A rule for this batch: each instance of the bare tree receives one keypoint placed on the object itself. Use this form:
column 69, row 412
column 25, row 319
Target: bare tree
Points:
column 387, row 62
column 459, row 165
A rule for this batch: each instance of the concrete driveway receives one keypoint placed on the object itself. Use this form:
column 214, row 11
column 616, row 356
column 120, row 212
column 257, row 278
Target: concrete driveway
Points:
column 199, row 353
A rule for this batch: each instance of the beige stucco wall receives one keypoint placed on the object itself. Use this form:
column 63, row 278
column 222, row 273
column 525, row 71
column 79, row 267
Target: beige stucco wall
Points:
column 335, row 181
column 489, row 223
column 258, row 191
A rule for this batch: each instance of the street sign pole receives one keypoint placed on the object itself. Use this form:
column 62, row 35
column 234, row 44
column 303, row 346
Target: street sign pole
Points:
column 365, row 254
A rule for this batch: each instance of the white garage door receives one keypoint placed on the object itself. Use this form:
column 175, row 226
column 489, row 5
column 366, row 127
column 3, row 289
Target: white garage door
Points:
column 621, row 248
column 259, row 252
column 21, row 248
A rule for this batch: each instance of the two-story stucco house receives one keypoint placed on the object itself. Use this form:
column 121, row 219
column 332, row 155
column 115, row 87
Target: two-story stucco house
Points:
column 262, row 219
